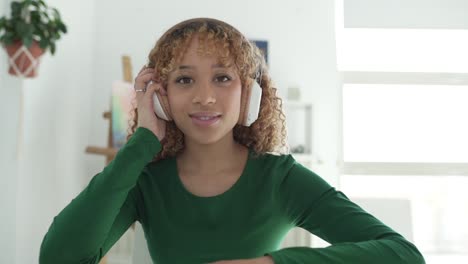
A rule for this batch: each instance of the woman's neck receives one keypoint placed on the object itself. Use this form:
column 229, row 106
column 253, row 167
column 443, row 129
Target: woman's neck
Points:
column 212, row 158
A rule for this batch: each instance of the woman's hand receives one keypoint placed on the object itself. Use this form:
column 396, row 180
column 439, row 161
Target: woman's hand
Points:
column 262, row 260
column 146, row 116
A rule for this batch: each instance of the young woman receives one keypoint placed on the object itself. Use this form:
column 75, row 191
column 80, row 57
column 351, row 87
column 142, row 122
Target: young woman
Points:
column 207, row 184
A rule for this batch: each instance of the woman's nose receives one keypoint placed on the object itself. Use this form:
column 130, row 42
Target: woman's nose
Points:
column 204, row 94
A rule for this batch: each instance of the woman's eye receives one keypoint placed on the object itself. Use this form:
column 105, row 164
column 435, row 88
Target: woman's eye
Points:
column 184, row 80
column 223, row 78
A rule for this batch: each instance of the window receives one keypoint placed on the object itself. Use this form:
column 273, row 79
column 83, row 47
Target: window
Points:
column 405, row 123
column 403, row 50
column 405, row 102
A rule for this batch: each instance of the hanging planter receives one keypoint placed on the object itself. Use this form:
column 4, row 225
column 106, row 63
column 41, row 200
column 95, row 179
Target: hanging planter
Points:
column 24, row 61
column 32, row 29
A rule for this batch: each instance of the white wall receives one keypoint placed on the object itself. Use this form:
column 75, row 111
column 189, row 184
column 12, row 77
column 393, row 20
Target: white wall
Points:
column 9, row 107
column 63, row 106
column 48, row 170
column 56, row 121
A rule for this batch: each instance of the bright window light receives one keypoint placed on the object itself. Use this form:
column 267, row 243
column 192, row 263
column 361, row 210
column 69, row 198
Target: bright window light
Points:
column 402, row 50
column 405, row 123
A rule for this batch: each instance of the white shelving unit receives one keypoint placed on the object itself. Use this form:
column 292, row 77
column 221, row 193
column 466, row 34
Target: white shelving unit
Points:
column 299, row 116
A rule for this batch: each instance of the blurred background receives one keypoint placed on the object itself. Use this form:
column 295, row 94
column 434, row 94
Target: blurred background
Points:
column 375, row 92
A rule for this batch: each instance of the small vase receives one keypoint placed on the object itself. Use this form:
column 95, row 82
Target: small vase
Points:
column 24, row 61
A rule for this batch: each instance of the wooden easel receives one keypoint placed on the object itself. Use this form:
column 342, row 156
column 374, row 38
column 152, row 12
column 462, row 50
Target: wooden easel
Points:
column 110, row 151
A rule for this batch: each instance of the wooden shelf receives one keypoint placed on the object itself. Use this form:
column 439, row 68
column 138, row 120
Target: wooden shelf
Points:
column 107, row 115
column 110, row 152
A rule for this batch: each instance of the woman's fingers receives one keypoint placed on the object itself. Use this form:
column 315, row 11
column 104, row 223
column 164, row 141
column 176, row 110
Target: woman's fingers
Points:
column 147, row 81
column 157, row 87
column 141, row 81
column 145, row 87
column 145, row 76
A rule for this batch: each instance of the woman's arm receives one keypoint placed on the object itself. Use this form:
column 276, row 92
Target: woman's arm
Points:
column 355, row 235
column 87, row 227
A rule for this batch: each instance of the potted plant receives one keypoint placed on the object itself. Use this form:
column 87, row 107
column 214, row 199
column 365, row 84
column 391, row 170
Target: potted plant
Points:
column 31, row 30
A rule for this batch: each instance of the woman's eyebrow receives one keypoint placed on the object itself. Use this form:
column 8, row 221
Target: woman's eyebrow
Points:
column 218, row 65
column 183, row 67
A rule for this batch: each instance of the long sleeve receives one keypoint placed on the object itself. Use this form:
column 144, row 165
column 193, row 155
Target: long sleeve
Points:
column 355, row 235
column 93, row 221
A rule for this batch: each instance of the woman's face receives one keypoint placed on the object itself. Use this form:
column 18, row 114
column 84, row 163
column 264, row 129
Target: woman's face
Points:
column 204, row 96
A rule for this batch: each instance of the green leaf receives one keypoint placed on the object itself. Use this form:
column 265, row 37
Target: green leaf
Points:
column 2, row 22
column 62, row 27
column 52, row 48
column 9, row 38
column 43, row 43
column 56, row 13
column 22, row 28
column 41, row 26
column 35, row 16
column 30, row 29
column 27, row 41
column 36, row 4
column 15, row 9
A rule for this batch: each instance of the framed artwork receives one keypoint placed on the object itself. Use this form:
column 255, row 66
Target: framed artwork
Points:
column 123, row 95
column 263, row 46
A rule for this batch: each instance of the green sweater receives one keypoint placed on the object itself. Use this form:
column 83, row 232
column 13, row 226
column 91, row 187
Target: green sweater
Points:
column 273, row 195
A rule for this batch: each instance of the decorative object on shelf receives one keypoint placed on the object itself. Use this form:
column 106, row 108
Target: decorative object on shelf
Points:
column 29, row 32
column 295, row 111
column 298, row 149
column 294, row 93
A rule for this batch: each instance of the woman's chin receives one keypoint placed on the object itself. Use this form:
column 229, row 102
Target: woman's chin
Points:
column 205, row 138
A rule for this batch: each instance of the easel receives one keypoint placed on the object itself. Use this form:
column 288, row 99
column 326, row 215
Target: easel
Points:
column 110, row 151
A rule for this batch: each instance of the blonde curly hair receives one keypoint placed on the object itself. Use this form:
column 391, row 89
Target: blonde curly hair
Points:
column 268, row 133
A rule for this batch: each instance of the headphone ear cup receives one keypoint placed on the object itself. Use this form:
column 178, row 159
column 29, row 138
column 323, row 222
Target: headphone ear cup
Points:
column 243, row 107
column 161, row 106
column 250, row 104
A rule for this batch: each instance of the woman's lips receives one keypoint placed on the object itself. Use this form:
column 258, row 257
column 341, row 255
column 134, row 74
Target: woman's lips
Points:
column 205, row 121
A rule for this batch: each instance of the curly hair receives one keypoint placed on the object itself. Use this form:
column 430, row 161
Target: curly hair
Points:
column 268, row 133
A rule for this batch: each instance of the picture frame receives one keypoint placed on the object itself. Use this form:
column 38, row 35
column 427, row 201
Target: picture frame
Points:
column 263, row 46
